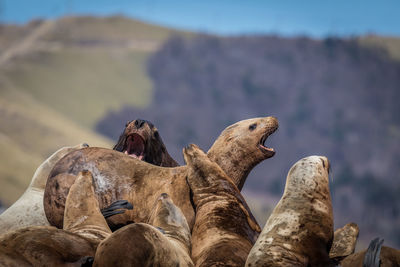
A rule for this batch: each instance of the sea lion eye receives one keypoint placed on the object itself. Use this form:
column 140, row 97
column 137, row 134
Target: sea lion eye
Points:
column 127, row 123
column 253, row 126
column 156, row 135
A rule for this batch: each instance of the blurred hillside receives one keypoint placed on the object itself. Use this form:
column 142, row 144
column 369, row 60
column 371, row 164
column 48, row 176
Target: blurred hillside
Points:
column 62, row 81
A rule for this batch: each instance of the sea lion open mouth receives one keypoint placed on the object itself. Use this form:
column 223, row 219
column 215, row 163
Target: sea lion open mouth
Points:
column 134, row 146
column 268, row 151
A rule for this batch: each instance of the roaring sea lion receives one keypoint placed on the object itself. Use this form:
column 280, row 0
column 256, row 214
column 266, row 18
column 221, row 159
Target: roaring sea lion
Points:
column 299, row 231
column 165, row 241
column 224, row 230
column 119, row 176
column 140, row 139
column 375, row 256
column 344, row 242
column 28, row 210
column 84, row 229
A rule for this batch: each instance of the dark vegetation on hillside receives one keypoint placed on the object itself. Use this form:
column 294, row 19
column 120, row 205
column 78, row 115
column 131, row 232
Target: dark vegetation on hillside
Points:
column 332, row 97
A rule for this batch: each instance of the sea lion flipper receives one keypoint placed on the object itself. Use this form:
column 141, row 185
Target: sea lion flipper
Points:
column 372, row 256
column 115, row 208
column 82, row 212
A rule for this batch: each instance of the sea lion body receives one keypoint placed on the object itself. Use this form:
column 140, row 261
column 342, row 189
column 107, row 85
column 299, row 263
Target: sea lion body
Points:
column 299, row 231
column 142, row 244
column 344, row 242
column 84, row 229
column 382, row 256
column 224, row 230
column 28, row 210
column 119, row 176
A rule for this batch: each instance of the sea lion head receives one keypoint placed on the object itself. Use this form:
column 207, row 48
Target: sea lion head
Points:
column 241, row 146
column 310, row 174
column 140, row 139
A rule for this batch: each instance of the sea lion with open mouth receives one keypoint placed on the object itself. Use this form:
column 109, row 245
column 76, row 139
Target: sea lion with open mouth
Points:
column 140, row 139
column 299, row 231
column 118, row 176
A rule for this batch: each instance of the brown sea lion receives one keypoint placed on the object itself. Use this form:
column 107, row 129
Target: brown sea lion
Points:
column 344, row 242
column 28, row 210
column 140, row 139
column 224, row 230
column 299, row 231
column 375, row 256
column 118, row 176
column 166, row 242
column 84, row 228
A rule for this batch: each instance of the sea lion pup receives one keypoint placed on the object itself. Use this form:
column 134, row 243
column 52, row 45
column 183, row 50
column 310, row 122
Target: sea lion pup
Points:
column 344, row 242
column 375, row 256
column 299, row 231
column 28, row 210
column 84, row 229
column 166, row 242
column 118, row 176
column 224, row 230
column 140, row 139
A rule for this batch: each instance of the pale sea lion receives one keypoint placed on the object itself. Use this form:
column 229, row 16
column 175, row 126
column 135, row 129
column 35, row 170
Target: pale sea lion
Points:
column 28, row 210
column 224, row 230
column 299, row 231
column 344, row 242
column 165, row 241
column 84, row 228
column 140, row 139
column 375, row 256
column 118, row 176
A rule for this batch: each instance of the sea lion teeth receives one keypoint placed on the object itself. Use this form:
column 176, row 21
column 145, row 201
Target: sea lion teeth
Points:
column 299, row 231
column 140, row 139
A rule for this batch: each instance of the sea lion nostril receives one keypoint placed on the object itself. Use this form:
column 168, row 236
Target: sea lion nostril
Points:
column 139, row 123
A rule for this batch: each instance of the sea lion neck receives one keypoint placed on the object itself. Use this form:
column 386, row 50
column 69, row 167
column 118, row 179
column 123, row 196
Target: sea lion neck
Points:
column 241, row 146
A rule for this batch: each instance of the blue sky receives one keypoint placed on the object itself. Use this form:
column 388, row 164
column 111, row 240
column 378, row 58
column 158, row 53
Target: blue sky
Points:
column 317, row 18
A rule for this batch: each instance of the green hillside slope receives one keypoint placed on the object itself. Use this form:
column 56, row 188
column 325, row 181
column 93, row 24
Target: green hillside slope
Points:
column 58, row 78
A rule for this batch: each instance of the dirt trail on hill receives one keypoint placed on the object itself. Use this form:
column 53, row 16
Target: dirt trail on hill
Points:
column 26, row 43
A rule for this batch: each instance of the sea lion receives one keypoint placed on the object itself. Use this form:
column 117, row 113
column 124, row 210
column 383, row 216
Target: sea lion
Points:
column 140, row 139
column 299, row 231
column 165, row 241
column 118, row 176
column 344, row 242
column 375, row 256
column 84, row 229
column 224, row 230
column 28, row 210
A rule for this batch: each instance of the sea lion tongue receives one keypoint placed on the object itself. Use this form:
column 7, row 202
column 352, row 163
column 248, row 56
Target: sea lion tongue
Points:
column 135, row 146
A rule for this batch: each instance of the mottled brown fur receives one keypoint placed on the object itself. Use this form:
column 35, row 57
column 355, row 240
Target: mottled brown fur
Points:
column 299, row 231
column 344, row 242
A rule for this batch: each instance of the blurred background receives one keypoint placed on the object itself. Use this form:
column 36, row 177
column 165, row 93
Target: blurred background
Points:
column 75, row 71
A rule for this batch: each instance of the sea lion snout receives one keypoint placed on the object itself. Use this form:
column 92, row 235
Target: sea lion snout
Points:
column 139, row 123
